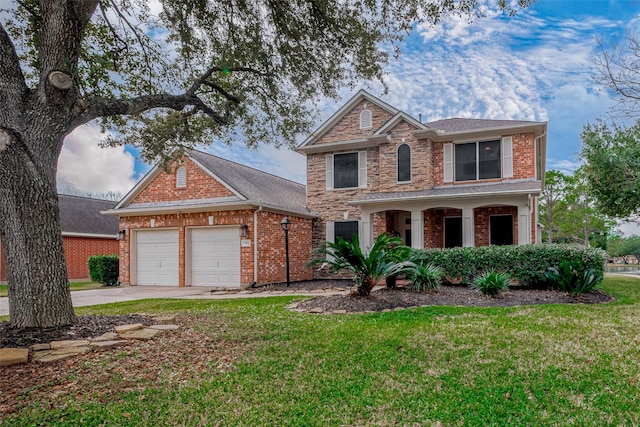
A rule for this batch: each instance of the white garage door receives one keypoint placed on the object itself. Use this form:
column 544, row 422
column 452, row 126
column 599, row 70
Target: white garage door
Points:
column 157, row 257
column 215, row 257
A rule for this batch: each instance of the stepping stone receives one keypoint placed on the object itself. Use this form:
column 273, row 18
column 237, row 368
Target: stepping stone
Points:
column 164, row 319
column 106, row 345
column 316, row 291
column 61, row 353
column 289, row 291
column 398, row 309
column 40, row 347
column 339, row 311
column 109, row 336
column 126, row 328
column 13, row 356
column 275, row 292
column 292, row 306
column 316, row 310
column 140, row 334
column 68, row 344
column 164, row 327
column 387, row 310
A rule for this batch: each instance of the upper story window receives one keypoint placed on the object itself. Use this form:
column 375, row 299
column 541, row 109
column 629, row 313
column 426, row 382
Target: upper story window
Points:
column 404, row 163
column 347, row 170
column 181, row 177
column 366, row 121
column 478, row 160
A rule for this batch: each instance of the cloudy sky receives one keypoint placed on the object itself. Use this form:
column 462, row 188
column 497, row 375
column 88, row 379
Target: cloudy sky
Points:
column 534, row 66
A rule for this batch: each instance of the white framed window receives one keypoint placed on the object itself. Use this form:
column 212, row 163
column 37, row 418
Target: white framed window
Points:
column 344, row 229
column 472, row 161
column 181, row 177
column 404, row 163
column 366, row 119
column 346, row 170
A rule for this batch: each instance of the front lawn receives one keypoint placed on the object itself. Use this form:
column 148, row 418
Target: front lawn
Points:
column 75, row 286
column 251, row 362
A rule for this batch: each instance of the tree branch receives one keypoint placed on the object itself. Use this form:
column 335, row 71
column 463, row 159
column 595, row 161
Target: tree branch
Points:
column 13, row 84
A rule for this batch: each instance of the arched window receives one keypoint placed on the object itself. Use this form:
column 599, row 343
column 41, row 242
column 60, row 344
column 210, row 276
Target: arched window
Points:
column 365, row 119
column 404, row 163
column 181, row 177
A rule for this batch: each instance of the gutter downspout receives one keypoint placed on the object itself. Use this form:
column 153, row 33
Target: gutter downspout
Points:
column 255, row 244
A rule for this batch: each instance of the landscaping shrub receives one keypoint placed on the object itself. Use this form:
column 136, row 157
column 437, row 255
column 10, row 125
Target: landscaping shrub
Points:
column 574, row 278
column 492, row 282
column 527, row 263
column 425, row 277
column 104, row 269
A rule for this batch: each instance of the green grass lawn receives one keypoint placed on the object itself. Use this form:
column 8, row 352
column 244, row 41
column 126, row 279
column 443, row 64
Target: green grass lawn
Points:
column 75, row 286
column 452, row 366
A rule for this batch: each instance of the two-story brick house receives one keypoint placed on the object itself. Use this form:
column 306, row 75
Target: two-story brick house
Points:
column 457, row 182
column 370, row 169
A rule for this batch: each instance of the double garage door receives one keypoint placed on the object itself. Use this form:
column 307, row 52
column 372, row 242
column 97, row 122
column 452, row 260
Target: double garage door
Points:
column 212, row 257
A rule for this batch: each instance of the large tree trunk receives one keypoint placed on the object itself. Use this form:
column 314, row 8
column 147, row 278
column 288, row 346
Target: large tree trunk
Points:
column 39, row 294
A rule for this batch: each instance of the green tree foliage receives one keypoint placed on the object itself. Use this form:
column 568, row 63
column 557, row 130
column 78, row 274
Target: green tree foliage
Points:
column 554, row 191
column 612, row 169
column 622, row 246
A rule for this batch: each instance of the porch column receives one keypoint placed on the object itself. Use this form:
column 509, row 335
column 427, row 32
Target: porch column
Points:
column 468, row 233
column 366, row 230
column 524, row 225
column 417, row 229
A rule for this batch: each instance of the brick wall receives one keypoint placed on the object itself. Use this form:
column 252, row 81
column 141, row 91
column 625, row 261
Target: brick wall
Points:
column 481, row 223
column 200, row 185
column 77, row 251
column 434, row 226
column 348, row 128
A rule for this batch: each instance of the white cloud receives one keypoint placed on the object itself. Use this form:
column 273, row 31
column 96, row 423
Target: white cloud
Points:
column 89, row 168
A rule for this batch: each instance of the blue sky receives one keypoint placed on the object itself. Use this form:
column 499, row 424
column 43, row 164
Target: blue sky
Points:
column 536, row 65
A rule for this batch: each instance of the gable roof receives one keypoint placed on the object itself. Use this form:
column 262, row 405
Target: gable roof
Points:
column 251, row 188
column 82, row 215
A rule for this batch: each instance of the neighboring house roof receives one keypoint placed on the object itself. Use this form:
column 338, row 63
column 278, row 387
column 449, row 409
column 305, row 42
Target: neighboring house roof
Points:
column 81, row 216
column 251, row 187
column 456, row 191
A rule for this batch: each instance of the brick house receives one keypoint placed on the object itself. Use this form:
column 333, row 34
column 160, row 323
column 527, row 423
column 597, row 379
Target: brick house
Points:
column 209, row 221
column 456, row 182
column 85, row 232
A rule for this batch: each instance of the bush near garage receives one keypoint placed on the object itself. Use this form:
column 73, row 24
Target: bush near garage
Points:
column 104, row 269
column 527, row 263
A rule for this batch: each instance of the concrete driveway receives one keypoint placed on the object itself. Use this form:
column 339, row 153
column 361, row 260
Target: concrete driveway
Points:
column 108, row 295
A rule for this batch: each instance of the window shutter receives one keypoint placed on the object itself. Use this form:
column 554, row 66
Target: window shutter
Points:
column 181, row 177
column 330, row 235
column 448, row 162
column 366, row 121
column 329, row 177
column 507, row 157
column 362, row 169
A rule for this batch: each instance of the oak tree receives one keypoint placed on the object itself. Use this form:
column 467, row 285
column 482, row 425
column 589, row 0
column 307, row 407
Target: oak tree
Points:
column 193, row 72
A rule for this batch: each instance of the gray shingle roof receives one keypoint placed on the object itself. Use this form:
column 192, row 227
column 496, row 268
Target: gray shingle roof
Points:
column 258, row 187
column 82, row 215
column 460, row 124
column 471, row 190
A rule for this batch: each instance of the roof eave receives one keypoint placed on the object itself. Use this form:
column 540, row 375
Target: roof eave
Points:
column 537, row 128
column 371, row 141
column 445, row 196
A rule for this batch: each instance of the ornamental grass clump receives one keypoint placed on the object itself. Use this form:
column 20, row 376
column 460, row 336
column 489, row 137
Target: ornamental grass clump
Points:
column 574, row 278
column 425, row 277
column 492, row 283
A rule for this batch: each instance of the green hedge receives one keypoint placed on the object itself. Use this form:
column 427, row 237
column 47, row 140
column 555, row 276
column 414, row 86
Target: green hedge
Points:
column 526, row 263
column 104, row 269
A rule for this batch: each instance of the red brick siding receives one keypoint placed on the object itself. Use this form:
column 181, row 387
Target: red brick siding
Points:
column 200, row 185
column 348, row 128
column 434, row 226
column 77, row 251
column 481, row 223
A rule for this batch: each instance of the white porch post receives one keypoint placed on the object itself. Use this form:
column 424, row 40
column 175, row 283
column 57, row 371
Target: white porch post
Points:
column 417, row 229
column 524, row 225
column 468, row 234
column 366, row 230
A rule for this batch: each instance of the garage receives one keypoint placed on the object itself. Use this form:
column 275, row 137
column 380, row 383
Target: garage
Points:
column 157, row 257
column 215, row 256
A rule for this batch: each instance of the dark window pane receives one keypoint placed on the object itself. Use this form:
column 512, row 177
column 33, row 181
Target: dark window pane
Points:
column 345, row 170
column 501, row 229
column 452, row 232
column 489, row 159
column 345, row 229
column 404, row 163
column 465, row 158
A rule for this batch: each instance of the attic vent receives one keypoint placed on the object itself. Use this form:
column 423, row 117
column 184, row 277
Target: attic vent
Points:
column 181, row 177
column 365, row 119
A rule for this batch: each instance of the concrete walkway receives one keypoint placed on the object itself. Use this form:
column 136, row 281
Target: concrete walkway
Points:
column 131, row 293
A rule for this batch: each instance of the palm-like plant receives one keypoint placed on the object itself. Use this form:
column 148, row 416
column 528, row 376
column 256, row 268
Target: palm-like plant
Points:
column 369, row 268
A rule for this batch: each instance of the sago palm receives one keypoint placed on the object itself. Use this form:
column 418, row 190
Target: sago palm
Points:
column 377, row 264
